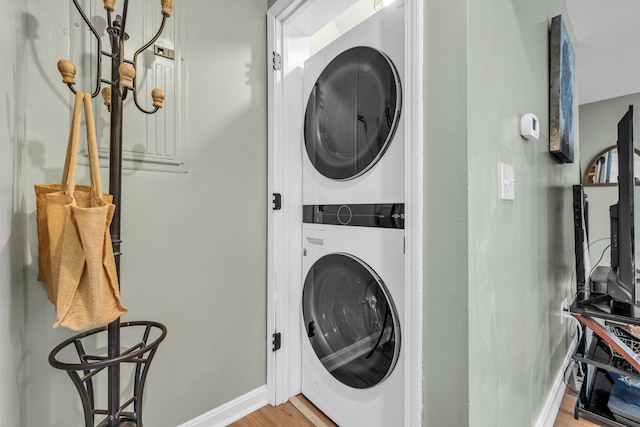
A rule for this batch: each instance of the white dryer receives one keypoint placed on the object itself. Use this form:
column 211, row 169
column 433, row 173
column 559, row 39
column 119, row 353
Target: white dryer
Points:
column 353, row 130
column 352, row 303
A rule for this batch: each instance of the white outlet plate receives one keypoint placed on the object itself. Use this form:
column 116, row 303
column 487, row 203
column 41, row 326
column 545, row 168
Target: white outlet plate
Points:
column 564, row 308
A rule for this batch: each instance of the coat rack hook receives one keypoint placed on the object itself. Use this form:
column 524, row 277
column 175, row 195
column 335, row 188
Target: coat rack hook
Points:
column 127, row 74
column 99, row 50
column 68, row 71
column 106, row 95
column 167, row 7
column 158, row 97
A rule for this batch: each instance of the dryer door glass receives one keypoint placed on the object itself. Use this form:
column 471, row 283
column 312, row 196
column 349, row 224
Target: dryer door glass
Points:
column 352, row 113
column 350, row 320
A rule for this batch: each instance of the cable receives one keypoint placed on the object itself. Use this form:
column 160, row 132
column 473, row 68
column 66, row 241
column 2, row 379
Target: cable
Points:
column 601, row 256
column 582, row 258
column 577, row 330
column 564, row 377
column 572, row 362
column 584, row 252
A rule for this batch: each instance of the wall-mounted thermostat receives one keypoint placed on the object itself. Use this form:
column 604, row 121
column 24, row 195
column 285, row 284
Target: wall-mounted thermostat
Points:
column 530, row 126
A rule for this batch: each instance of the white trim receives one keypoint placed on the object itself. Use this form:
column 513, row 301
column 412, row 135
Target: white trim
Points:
column 414, row 185
column 290, row 296
column 284, row 176
column 274, row 31
column 231, row 411
column 551, row 407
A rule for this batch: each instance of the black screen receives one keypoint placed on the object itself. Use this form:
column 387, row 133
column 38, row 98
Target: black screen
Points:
column 622, row 215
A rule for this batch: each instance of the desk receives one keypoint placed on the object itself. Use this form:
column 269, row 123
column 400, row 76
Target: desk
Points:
column 595, row 352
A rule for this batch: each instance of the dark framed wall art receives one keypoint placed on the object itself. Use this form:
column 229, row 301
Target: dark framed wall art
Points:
column 561, row 92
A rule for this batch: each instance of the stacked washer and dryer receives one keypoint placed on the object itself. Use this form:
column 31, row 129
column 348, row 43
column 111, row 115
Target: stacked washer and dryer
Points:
column 353, row 296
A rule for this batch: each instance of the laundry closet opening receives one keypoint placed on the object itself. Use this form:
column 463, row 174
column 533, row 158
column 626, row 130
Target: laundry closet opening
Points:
column 342, row 23
column 339, row 301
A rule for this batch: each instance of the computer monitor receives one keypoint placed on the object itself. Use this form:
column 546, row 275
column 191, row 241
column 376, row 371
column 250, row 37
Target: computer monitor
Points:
column 624, row 287
column 612, row 289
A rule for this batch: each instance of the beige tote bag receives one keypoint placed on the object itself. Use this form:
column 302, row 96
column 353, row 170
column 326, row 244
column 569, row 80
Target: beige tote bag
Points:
column 75, row 255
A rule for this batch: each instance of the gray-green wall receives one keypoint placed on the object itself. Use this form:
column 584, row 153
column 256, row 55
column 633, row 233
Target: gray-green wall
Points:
column 12, row 216
column 446, row 249
column 194, row 245
column 599, row 130
column 521, row 251
column 495, row 271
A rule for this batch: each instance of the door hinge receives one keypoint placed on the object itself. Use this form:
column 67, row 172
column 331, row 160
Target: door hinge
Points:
column 277, row 341
column 277, row 201
column 277, row 61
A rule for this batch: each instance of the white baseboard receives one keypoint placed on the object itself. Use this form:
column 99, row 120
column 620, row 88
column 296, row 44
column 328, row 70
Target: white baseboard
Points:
column 554, row 400
column 231, row 411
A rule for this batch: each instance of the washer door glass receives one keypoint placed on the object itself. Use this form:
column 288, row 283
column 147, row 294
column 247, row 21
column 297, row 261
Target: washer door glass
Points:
column 352, row 113
column 350, row 320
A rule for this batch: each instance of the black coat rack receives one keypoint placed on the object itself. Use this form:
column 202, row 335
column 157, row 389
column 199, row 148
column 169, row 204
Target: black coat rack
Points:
column 82, row 373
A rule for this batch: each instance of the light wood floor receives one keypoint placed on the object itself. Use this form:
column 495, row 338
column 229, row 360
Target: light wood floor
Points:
column 565, row 415
column 300, row 412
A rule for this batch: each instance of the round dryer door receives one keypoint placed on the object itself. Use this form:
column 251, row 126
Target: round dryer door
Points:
column 350, row 320
column 352, row 113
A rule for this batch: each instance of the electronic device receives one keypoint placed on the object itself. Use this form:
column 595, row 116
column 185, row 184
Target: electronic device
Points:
column 353, row 307
column 622, row 286
column 613, row 289
column 353, row 133
column 581, row 238
column 530, row 126
column 353, row 262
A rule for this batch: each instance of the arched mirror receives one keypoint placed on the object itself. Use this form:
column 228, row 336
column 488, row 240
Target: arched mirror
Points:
column 603, row 168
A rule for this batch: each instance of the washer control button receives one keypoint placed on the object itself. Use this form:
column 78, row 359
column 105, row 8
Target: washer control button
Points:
column 344, row 215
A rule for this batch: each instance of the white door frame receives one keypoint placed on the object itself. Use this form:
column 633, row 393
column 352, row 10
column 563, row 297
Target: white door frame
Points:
column 285, row 108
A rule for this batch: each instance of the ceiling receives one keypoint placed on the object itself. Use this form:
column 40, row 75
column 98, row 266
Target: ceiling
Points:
column 608, row 47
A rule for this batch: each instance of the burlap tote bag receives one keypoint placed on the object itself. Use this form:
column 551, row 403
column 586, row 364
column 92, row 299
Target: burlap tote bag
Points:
column 82, row 194
column 75, row 254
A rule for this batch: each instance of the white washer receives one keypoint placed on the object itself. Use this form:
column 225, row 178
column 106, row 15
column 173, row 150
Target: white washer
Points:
column 353, row 131
column 352, row 303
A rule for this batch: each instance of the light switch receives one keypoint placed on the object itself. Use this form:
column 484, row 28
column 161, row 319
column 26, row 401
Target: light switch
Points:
column 507, row 182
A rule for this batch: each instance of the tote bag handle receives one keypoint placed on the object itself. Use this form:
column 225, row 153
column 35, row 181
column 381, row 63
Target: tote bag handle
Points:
column 71, row 159
column 92, row 145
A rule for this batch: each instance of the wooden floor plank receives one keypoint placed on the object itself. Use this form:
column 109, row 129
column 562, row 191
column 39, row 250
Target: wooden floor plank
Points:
column 298, row 412
column 313, row 414
column 278, row 416
column 565, row 416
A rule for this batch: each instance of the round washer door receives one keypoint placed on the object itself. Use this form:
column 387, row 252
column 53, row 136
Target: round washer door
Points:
column 352, row 113
column 350, row 320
